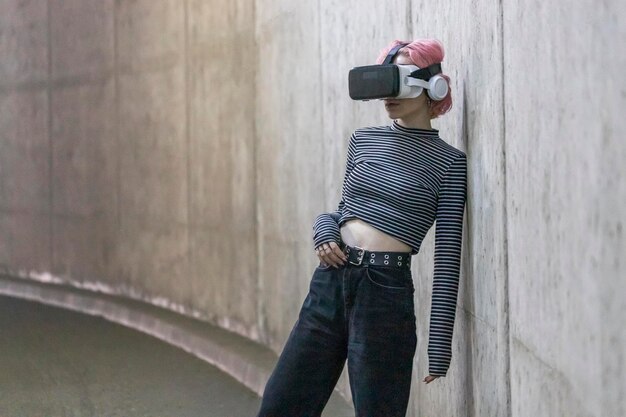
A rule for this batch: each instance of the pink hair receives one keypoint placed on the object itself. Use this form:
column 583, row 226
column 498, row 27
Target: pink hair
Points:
column 424, row 52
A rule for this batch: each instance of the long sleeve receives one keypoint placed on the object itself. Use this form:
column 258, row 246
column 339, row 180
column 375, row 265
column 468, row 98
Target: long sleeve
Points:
column 448, row 238
column 326, row 225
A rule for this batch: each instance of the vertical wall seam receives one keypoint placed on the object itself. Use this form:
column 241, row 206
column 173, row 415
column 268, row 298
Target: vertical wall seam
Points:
column 116, row 87
column 409, row 18
column 255, row 129
column 506, row 295
column 50, row 141
column 321, row 94
column 186, row 71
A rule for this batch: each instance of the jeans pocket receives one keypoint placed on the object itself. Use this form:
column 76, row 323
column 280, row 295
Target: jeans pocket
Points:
column 324, row 267
column 390, row 278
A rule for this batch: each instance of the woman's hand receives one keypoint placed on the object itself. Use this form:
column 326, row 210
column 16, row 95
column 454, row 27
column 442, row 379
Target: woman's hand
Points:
column 331, row 254
column 430, row 378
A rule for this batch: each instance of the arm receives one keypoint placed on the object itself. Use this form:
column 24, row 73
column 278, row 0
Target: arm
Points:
column 448, row 237
column 325, row 226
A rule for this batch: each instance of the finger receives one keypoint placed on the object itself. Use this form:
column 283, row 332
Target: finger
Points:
column 337, row 250
column 319, row 252
column 328, row 256
column 322, row 255
column 327, row 259
column 331, row 256
column 322, row 249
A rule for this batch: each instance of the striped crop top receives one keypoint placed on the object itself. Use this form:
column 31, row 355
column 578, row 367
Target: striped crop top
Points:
column 401, row 180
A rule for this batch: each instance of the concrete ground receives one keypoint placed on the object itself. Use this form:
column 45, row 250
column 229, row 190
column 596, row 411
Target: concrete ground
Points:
column 246, row 361
column 55, row 362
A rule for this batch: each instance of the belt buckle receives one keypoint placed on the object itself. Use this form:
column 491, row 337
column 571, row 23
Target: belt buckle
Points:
column 362, row 253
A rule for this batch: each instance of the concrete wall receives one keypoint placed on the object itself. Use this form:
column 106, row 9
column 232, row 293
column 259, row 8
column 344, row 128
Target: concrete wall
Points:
column 566, row 190
column 178, row 152
column 128, row 150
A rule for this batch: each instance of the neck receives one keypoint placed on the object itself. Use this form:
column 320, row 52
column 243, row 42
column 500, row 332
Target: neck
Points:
column 419, row 121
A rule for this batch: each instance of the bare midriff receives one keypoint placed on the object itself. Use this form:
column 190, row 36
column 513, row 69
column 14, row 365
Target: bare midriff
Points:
column 356, row 232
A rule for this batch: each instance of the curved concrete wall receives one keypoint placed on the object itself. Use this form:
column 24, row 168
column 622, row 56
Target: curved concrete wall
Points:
column 178, row 152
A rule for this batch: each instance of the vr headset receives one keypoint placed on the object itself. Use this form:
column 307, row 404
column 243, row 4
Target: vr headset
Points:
column 396, row 81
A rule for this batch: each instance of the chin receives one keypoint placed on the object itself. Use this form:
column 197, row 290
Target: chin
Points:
column 393, row 114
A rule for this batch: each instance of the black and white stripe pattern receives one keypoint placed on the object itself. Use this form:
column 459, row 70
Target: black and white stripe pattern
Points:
column 400, row 180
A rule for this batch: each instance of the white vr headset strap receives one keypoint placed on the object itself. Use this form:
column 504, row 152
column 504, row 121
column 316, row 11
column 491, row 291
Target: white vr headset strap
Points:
column 437, row 87
column 416, row 82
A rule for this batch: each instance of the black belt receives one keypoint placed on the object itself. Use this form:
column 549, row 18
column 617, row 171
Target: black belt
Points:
column 359, row 256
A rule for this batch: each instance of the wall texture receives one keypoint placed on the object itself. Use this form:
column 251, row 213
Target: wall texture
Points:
column 178, row 151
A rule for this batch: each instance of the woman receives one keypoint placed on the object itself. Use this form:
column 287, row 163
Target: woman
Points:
column 399, row 179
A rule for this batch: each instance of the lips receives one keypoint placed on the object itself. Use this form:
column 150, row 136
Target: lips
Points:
column 391, row 105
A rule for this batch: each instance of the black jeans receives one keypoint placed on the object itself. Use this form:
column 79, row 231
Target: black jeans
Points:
column 364, row 313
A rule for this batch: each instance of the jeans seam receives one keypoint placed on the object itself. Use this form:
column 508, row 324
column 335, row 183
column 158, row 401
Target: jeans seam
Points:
column 346, row 310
